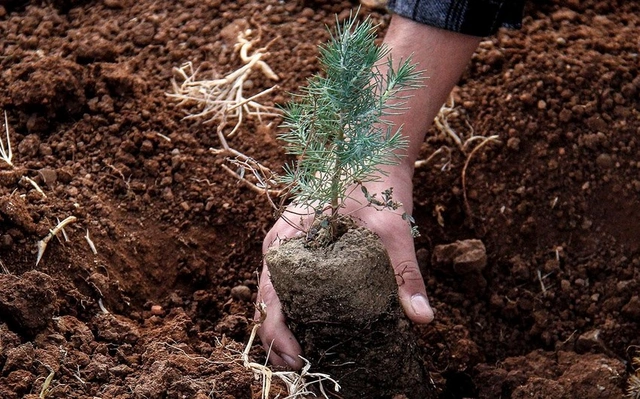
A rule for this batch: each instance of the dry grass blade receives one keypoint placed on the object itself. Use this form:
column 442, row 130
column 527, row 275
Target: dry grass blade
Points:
column 42, row 244
column 5, row 152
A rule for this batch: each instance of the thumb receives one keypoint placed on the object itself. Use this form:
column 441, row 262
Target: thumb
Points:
column 411, row 289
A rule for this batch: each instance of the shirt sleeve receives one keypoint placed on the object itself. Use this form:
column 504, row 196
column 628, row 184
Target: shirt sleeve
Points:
column 471, row 17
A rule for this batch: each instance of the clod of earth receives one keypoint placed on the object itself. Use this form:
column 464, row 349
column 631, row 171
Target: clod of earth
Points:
column 341, row 303
column 27, row 302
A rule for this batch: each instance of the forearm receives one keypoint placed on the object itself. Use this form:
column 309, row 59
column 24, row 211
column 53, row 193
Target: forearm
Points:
column 442, row 56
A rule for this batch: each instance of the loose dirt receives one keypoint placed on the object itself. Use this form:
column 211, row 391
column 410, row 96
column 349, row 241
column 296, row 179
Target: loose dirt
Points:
column 163, row 307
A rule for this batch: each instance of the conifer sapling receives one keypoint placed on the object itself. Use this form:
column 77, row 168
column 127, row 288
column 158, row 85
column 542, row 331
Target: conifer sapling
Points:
column 336, row 127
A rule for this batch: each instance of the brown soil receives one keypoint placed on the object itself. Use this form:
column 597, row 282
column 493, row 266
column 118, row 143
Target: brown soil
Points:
column 554, row 313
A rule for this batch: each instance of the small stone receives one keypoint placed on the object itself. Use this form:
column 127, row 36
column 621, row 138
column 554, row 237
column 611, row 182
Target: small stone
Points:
column 156, row 310
column 241, row 293
column 604, row 161
column 121, row 370
column 589, row 341
column 551, row 266
column 565, row 115
column 307, row 12
column 72, row 191
column 48, row 176
column 513, row 143
column 526, row 98
column 632, row 308
column 113, row 3
column 374, row 4
column 467, row 256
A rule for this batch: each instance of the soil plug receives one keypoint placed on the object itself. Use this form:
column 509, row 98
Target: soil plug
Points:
column 336, row 282
column 342, row 305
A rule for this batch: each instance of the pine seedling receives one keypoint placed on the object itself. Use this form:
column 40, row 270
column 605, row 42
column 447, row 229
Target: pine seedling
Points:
column 337, row 127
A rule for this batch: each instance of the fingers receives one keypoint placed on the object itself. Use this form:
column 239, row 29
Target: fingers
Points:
column 412, row 292
column 277, row 340
column 398, row 241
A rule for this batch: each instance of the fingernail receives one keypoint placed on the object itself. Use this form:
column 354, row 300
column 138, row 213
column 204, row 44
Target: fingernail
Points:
column 289, row 360
column 420, row 305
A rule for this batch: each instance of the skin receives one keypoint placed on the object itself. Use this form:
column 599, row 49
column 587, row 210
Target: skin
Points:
column 443, row 55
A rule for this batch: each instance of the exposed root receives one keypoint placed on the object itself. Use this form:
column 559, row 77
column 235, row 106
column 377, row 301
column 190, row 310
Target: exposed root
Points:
column 5, row 152
column 441, row 121
column 42, row 244
column 223, row 98
column 463, row 143
column 446, row 154
column 46, row 386
column 297, row 384
column 35, row 185
column 3, row 268
column 263, row 181
column 91, row 244
column 633, row 389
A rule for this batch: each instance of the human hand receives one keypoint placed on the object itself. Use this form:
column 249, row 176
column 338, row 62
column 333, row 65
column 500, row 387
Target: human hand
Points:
column 396, row 236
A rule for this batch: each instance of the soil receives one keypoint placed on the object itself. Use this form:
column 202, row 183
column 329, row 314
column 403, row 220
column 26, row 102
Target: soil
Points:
column 352, row 325
column 162, row 307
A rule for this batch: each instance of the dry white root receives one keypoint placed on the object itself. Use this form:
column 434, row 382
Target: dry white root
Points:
column 42, row 244
column 463, row 143
column 5, row 152
column 35, row 185
column 298, row 384
column 224, row 98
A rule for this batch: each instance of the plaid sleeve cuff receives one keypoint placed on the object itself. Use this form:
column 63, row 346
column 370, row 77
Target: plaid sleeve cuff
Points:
column 471, row 17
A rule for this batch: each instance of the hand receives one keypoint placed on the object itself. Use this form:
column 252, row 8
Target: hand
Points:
column 395, row 234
